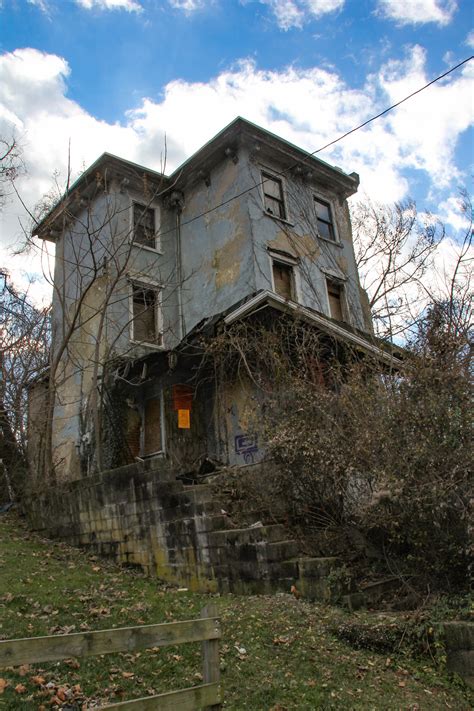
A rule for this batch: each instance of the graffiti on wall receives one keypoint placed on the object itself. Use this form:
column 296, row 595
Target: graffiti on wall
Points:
column 246, row 446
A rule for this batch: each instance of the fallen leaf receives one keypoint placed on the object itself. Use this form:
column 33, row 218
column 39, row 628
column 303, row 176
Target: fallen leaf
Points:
column 61, row 694
column 3, row 685
column 20, row 688
column 128, row 675
column 37, row 680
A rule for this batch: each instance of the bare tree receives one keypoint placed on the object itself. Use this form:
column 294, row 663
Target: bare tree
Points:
column 394, row 248
column 24, row 355
column 11, row 165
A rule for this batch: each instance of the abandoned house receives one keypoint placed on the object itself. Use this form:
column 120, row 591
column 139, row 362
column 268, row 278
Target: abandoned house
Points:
column 145, row 262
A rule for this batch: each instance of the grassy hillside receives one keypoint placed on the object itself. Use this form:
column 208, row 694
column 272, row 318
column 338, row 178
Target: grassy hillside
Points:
column 277, row 653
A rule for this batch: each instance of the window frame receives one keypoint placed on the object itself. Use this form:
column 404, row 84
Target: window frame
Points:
column 145, row 285
column 333, row 226
column 287, row 261
column 340, row 284
column 267, row 173
column 157, row 217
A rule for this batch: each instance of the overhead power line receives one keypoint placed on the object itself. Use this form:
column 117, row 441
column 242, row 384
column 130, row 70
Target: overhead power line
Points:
column 327, row 145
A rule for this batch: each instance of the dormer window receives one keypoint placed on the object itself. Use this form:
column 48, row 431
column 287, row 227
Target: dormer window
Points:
column 144, row 226
column 325, row 222
column 273, row 197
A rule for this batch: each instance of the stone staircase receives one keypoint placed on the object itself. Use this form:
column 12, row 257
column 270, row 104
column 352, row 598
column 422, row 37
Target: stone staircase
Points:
column 141, row 516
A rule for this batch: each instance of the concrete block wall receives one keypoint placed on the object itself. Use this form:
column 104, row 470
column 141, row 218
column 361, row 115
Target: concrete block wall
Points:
column 139, row 515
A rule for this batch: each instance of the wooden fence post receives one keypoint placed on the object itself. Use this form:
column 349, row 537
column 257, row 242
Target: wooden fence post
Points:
column 211, row 671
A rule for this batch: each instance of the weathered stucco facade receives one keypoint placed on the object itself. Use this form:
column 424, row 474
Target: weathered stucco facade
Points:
column 144, row 259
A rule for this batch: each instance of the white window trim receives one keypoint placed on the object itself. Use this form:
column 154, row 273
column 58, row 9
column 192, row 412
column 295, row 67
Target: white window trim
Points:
column 162, row 451
column 327, row 201
column 342, row 283
column 152, row 206
column 272, row 173
column 152, row 285
column 291, row 262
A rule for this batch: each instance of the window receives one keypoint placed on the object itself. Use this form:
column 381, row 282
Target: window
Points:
column 324, row 219
column 283, row 280
column 144, row 226
column 152, row 434
column 273, row 199
column 146, row 317
column 336, row 300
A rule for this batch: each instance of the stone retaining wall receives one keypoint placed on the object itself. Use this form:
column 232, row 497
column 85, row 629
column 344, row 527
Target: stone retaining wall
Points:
column 139, row 515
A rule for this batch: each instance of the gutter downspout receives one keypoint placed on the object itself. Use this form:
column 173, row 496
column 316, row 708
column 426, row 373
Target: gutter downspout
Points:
column 177, row 201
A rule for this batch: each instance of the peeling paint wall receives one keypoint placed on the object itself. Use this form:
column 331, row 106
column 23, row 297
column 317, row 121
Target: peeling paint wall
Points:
column 217, row 252
column 318, row 258
column 225, row 256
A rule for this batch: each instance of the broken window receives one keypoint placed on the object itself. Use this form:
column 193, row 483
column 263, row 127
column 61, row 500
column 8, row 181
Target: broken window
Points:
column 146, row 314
column 336, row 300
column 144, row 227
column 284, row 280
column 324, row 219
column 152, row 434
column 273, row 198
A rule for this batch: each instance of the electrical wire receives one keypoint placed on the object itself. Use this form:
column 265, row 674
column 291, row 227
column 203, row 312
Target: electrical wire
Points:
column 331, row 143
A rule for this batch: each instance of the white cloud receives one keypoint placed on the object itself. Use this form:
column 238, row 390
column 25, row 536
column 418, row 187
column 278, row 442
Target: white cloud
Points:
column 428, row 126
column 469, row 41
column 188, row 6
column 294, row 13
column 42, row 4
column 450, row 213
column 407, row 12
column 128, row 5
column 308, row 107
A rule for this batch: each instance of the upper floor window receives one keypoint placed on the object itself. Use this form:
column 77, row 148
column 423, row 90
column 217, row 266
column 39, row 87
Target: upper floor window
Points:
column 284, row 280
column 144, row 226
column 146, row 314
column 324, row 219
column 273, row 197
column 336, row 299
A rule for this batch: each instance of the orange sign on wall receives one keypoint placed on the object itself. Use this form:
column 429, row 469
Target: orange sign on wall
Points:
column 184, row 419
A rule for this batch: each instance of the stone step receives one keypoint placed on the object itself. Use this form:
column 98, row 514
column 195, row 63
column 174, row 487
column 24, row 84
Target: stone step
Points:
column 240, row 536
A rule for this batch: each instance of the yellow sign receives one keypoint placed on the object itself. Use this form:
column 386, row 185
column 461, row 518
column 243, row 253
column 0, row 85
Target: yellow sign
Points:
column 184, row 419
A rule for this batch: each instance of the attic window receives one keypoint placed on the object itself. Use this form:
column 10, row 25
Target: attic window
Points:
column 146, row 314
column 144, row 226
column 324, row 219
column 273, row 198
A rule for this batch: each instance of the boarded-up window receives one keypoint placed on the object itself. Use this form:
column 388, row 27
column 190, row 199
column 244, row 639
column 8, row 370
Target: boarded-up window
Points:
column 324, row 219
column 273, row 196
column 152, row 427
column 144, row 228
column 145, row 317
column 283, row 280
column 335, row 295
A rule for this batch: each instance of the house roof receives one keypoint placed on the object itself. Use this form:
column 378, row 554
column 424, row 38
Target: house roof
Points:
column 224, row 144
column 384, row 351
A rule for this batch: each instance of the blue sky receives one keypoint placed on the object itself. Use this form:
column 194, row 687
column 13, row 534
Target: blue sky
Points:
column 120, row 75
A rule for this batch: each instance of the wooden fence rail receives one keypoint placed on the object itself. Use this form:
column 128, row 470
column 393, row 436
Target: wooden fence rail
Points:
column 206, row 629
